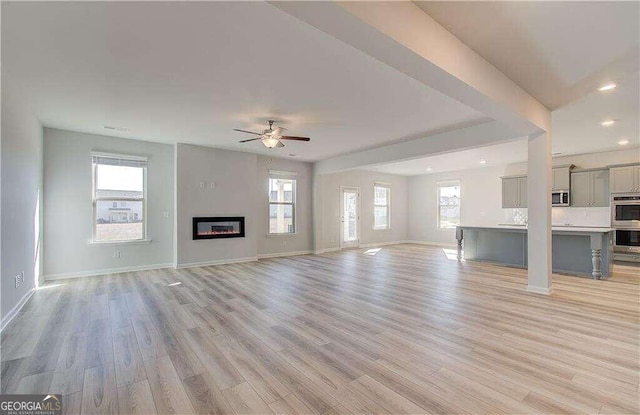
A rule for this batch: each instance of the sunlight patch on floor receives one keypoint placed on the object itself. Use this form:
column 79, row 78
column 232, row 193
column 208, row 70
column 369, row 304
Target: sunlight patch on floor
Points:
column 372, row 251
column 452, row 254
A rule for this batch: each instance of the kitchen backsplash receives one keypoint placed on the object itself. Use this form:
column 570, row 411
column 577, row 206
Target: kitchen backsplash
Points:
column 581, row 216
column 563, row 216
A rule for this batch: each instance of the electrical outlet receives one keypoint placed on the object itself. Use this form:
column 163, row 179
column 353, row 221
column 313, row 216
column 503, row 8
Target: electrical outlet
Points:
column 19, row 279
column 202, row 185
column 116, row 254
column 212, row 185
column 166, row 214
column 284, row 242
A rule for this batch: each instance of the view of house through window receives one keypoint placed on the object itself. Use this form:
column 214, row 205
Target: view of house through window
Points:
column 448, row 205
column 282, row 200
column 381, row 204
column 118, row 199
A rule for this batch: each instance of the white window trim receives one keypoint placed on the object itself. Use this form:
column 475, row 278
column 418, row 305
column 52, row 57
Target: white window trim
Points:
column 94, row 177
column 286, row 175
column 446, row 183
column 387, row 186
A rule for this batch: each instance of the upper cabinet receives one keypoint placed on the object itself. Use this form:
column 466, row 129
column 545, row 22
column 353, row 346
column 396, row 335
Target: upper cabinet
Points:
column 514, row 192
column 590, row 188
column 561, row 178
column 624, row 179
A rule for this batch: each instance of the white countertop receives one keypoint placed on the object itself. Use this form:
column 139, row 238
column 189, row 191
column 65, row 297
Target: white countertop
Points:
column 586, row 229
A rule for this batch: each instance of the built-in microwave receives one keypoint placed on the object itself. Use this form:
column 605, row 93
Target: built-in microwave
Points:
column 625, row 211
column 560, row 198
column 627, row 240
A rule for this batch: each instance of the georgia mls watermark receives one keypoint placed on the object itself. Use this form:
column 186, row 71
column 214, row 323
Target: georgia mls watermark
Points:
column 30, row 405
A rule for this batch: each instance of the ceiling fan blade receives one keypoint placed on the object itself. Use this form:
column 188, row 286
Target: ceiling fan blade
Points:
column 251, row 139
column 245, row 131
column 290, row 137
column 280, row 144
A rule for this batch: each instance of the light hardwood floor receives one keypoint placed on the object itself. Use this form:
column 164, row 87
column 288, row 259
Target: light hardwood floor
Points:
column 404, row 331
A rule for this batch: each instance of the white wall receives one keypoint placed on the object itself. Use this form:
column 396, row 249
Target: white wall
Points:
column 481, row 191
column 481, row 202
column 69, row 213
column 302, row 240
column 328, row 204
column 21, row 165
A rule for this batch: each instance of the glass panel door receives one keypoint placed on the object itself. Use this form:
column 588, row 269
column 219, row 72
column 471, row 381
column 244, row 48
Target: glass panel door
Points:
column 349, row 218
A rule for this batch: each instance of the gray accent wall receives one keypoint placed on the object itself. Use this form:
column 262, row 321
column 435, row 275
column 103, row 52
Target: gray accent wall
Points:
column 68, row 218
column 21, row 176
column 233, row 175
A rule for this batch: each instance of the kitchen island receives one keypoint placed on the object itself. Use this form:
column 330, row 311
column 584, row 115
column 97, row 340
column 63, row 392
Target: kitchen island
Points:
column 575, row 250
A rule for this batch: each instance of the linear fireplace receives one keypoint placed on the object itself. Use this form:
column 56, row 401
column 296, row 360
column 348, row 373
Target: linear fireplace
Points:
column 218, row 227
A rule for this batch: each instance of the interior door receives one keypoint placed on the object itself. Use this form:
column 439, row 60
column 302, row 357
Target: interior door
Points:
column 350, row 217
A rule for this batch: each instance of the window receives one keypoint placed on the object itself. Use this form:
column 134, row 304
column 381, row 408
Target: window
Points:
column 118, row 198
column 282, row 202
column 381, row 205
column 448, row 205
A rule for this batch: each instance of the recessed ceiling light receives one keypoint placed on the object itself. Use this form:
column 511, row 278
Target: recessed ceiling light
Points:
column 294, row 155
column 607, row 123
column 556, row 154
column 483, row 161
column 623, row 142
column 428, row 168
column 608, row 87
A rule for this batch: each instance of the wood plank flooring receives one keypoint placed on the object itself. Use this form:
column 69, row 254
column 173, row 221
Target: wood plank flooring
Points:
column 407, row 330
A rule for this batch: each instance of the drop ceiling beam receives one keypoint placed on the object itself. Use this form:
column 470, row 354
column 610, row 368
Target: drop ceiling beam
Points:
column 403, row 36
column 488, row 133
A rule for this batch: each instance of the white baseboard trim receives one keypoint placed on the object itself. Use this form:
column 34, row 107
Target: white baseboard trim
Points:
column 373, row 245
column 431, row 243
column 93, row 273
column 284, row 254
column 539, row 290
column 216, row 262
column 324, row 251
column 16, row 309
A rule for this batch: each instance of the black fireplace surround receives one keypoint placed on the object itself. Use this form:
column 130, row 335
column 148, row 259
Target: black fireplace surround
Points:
column 218, row 227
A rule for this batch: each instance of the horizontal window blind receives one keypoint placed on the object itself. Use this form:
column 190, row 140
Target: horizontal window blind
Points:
column 119, row 160
column 281, row 174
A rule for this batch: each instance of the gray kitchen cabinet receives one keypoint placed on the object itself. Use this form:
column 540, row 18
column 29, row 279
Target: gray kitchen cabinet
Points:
column 590, row 188
column 624, row 179
column 561, row 178
column 600, row 192
column 514, row 192
column 522, row 200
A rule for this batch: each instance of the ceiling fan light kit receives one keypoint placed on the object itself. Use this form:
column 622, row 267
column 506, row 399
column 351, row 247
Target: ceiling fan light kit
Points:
column 270, row 142
column 271, row 137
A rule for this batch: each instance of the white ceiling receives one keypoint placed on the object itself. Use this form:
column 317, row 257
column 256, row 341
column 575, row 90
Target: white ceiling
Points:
column 576, row 128
column 191, row 72
column 558, row 51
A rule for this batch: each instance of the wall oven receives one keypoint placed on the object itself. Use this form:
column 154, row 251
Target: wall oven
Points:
column 627, row 240
column 560, row 198
column 625, row 211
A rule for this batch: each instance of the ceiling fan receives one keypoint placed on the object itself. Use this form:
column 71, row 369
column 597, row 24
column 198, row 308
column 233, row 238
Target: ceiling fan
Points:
column 271, row 136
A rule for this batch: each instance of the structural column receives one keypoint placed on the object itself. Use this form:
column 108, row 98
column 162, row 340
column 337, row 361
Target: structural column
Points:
column 539, row 213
